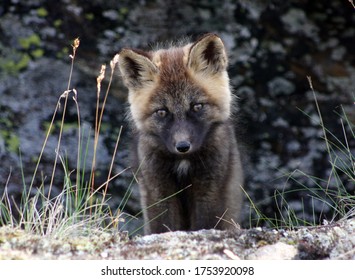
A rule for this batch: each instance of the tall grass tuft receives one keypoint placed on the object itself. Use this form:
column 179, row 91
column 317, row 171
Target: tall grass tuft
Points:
column 331, row 192
column 80, row 207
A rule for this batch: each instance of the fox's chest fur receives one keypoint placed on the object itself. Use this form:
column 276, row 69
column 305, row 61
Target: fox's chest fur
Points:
column 189, row 165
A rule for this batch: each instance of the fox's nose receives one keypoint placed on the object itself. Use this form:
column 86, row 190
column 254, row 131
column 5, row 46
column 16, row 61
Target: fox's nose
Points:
column 183, row 146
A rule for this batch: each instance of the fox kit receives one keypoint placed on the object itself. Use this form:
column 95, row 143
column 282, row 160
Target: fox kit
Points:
column 190, row 173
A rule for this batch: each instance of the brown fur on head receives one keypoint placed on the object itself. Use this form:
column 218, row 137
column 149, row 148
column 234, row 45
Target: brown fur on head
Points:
column 203, row 63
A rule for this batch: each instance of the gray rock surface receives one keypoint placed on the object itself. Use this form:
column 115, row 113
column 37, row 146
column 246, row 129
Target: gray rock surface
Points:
column 334, row 241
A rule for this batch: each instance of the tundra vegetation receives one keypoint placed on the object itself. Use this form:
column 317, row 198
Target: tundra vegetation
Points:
column 79, row 223
column 58, row 212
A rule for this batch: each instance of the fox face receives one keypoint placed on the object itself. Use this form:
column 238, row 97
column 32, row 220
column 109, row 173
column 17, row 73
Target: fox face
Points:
column 179, row 94
column 181, row 120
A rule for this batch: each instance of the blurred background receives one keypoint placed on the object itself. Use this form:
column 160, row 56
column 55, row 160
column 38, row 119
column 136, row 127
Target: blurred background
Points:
column 273, row 46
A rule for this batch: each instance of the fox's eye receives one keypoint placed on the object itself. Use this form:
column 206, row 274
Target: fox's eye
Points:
column 197, row 107
column 161, row 113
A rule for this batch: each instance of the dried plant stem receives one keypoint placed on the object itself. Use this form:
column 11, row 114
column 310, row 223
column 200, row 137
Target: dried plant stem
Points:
column 97, row 126
column 112, row 162
column 43, row 146
column 75, row 47
column 78, row 162
column 98, row 118
column 113, row 63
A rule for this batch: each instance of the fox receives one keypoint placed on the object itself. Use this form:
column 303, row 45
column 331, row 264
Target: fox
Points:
column 180, row 105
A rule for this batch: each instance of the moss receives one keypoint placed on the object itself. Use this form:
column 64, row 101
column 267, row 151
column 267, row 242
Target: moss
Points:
column 33, row 40
column 37, row 53
column 12, row 141
column 63, row 53
column 122, row 13
column 42, row 12
column 105, row 127
column 22, row 63
column 67, row 127
column 16, row 60
column 57, row 23
column 13, row 65
column 90, row 16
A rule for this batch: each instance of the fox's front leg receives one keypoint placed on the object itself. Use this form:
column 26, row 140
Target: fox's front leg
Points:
column 204, row 215
column 214, row 212
column 208, row 207
column 161, row 209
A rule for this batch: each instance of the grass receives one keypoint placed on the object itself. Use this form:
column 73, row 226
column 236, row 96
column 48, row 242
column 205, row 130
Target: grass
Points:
column 330, row 192
column 81, row 206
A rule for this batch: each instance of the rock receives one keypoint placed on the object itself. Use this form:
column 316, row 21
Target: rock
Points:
column 332, row 241
column 277, row 251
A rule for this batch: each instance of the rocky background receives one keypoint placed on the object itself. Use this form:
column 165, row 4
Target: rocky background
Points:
column 273, row 47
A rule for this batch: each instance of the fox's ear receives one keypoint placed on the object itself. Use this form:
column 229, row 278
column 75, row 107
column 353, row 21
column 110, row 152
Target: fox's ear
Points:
column 208, row 55
column 136, row 68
